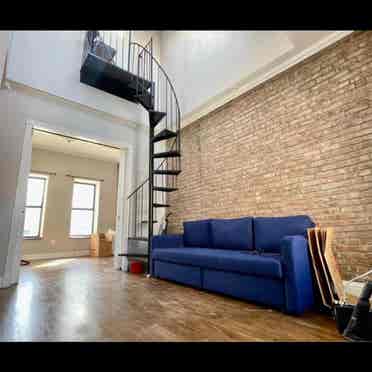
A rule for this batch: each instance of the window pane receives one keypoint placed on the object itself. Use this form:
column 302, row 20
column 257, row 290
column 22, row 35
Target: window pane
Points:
column 81, row 222
column 32, row 222
column 83, row 196
column 35, row 189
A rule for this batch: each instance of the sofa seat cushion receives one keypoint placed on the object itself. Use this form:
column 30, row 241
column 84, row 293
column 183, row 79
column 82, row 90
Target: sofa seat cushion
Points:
column 269, row 231
column 197, row 233
column 221, row 259
column 236, row 233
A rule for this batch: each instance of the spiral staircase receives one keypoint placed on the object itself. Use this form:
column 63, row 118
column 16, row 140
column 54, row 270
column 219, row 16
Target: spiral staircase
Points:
column 145, row 82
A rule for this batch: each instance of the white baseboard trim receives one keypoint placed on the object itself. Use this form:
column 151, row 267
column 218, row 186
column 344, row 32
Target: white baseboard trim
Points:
column 46, row 256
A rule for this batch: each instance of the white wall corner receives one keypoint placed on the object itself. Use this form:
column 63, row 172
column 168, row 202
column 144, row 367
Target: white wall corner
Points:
column 5, row 283
column 5, row 42
column 245, row 84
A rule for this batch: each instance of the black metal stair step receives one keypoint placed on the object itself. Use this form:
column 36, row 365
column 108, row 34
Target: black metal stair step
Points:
column 139, row 255
column 112, row 79
column 146, row 100
column 171, row 172
column 156, row 117
column 158, row 205
column 167, row 154
column 165, row 189
column 137, row 238
column 142, row 83
column 164, row 135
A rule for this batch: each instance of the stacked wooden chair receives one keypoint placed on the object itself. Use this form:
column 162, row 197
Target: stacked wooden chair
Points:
column 327, row 275
column 325, row 267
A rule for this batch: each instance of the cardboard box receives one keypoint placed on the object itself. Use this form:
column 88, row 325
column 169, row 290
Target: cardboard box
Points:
column 99, row 246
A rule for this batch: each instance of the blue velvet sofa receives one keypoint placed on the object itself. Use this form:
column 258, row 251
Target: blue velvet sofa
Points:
column 260, row 259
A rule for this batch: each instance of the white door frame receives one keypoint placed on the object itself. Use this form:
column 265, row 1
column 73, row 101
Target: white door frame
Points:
column 125, row 177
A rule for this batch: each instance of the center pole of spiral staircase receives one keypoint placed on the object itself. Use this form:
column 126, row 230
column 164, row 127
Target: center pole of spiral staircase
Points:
column 151, row 175
column 151, row 197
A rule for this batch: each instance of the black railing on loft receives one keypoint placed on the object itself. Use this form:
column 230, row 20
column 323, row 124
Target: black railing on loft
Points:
column 112, row 46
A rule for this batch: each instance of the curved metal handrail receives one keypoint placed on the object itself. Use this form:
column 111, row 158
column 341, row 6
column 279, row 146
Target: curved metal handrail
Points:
column 153, row 59
column 162, row 69
column 156, row 93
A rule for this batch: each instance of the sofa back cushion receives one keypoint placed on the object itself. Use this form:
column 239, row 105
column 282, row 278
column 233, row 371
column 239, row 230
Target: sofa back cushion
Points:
column 268, row 231
column 236, row 233
column 197, row 233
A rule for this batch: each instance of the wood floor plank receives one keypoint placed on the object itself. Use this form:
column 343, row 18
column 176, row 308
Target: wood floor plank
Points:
column 317, row 267
column 85, row 299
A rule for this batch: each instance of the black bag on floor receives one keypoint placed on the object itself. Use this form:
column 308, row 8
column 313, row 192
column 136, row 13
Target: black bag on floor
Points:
column 355, row 321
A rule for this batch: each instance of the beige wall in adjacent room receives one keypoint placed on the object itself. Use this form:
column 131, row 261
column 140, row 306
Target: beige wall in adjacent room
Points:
column 59, row 196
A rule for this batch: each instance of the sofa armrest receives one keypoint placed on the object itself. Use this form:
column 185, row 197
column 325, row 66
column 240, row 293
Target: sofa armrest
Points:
column 167, row 241
column 297, row 274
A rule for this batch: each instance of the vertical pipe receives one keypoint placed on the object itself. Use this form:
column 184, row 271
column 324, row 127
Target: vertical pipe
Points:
column 142, row 214
column 130, row 218
column 129, row 48
column 117, row 47
column 151, row 66
column 155, row 214
column 122, row 50
column 151, row 182
column 171, row 112
column 135, row 215
column 157, row 88
column 166, row 103
column 137, row 91
column 133, row 58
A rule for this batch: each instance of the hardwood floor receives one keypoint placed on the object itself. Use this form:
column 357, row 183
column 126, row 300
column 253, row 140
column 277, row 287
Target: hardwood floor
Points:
column 85, row 299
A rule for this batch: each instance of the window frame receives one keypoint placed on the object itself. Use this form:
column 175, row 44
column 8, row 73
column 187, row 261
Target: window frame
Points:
column 42, row 207
column 94, row 210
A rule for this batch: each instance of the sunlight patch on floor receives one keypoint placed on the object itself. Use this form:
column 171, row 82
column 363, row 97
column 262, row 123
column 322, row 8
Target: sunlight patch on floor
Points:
column 55, row 263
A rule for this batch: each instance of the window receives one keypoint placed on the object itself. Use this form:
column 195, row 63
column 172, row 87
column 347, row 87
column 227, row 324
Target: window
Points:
column 84, row 210
column 35, row 206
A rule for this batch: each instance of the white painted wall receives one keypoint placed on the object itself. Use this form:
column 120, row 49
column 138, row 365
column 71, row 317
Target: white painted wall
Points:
column 56, row 232
column 44, row 70
column 203, row 64
column 4, row 44
column 50, row 61
column 209, row 67
column 22, row 104
column 143, row 37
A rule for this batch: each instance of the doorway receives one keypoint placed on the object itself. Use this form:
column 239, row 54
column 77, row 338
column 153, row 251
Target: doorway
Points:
column 31, row 211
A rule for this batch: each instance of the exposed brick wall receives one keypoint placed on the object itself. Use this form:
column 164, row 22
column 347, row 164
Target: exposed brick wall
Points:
column 300, row 143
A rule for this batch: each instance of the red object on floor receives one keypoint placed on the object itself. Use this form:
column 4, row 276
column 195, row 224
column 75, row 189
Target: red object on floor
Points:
column 136, row 267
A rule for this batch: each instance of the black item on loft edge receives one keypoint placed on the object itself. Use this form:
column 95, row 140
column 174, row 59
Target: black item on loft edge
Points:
column 93, row 43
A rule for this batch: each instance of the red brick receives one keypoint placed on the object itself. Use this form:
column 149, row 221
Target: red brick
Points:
column 300, row 143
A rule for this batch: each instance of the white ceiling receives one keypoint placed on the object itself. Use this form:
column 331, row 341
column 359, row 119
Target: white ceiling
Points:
column 210, row 68
column 75, row 147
